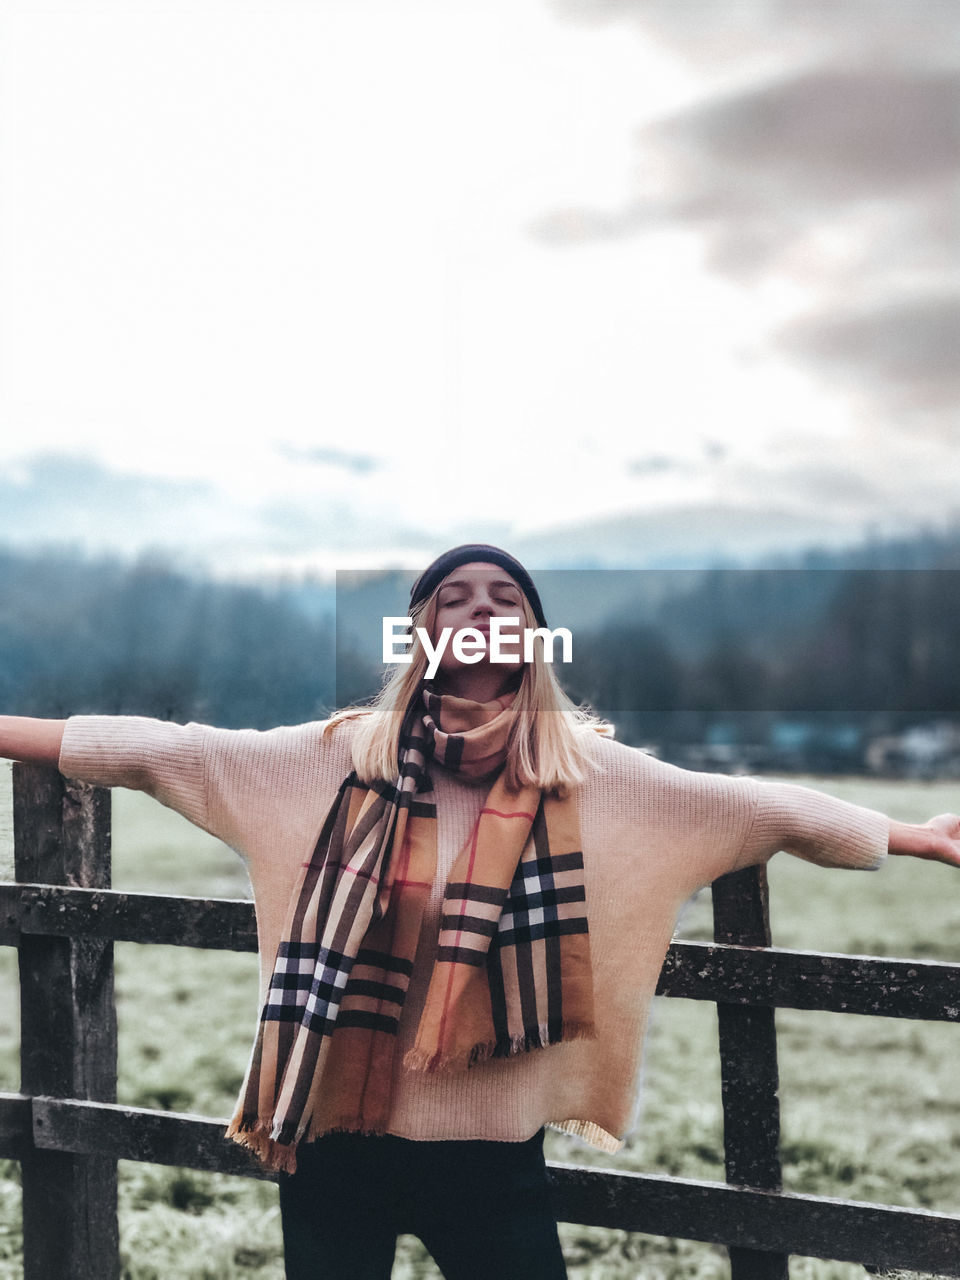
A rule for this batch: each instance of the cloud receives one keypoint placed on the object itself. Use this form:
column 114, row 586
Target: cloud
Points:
column 827, row 135
column 77, row 500
column 714, row 450
column 762, row 170
column 839, row 486
column 900, row 483
column 323, row 456
column 819, row 483
column 823, row 139
column 718, row 35
column 72, row 497
column 908, row 344
column 833, row 168
column 297, row 528
column 656, row 464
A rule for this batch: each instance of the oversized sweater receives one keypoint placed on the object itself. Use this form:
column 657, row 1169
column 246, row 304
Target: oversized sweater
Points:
column 652, row 835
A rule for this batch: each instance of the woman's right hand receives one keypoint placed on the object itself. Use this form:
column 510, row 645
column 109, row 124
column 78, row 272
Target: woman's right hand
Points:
column 27, row 738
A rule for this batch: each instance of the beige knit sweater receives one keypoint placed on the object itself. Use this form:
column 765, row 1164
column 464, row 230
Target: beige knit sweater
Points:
column 652, row 835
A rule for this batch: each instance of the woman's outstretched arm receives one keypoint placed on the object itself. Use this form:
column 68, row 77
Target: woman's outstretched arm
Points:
column 26, row 738
column 938, row 840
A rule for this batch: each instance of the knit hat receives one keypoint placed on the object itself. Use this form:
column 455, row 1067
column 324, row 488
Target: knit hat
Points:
column 470, row 552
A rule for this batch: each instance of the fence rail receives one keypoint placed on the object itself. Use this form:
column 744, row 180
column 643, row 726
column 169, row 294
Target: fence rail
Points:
column 720, row 972
column 68, row 1131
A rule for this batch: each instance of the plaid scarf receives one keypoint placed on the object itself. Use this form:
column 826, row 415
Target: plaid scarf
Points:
column 512, row 971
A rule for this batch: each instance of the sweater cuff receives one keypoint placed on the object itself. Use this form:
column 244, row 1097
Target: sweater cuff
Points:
column 817, row 827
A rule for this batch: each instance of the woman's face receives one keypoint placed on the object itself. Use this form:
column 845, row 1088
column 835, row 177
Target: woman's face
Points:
column 469, row 597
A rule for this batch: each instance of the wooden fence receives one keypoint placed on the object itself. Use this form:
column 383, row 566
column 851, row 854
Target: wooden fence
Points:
column 68, row 1131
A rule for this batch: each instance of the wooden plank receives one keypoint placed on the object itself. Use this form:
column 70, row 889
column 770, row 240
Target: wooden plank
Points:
column 68, row 1029
column 750, row 1085
column 16, row 1129
column 767, row 978
column 762, row 1221
column 226, row 924
column 805, row 1225
column 777, row 978
column 137, row 1133
column 750, row 1080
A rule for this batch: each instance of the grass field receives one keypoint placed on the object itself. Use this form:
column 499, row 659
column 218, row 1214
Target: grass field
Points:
column 871, row 1106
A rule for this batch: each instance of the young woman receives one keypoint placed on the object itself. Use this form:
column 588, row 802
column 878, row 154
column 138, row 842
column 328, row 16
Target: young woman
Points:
column 467, row 951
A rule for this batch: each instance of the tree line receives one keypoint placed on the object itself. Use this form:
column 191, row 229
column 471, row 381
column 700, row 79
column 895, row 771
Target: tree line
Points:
column 102, row 636
column 80, row 635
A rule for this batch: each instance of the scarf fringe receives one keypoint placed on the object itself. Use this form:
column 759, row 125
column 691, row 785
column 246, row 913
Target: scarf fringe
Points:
column 346, row 1124
column 278, row 1156
column 430, row 1063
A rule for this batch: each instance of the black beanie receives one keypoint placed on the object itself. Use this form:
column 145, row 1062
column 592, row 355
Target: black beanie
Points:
column 435, row 573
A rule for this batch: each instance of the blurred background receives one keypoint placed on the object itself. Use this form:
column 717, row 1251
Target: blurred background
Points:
column 665, row 286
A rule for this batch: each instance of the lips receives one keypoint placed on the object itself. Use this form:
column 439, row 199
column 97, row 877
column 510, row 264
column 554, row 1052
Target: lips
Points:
column 484, row 629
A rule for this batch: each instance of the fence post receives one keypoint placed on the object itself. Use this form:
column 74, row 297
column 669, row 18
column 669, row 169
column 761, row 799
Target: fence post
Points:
column 748, row 1066
column 68, row 1029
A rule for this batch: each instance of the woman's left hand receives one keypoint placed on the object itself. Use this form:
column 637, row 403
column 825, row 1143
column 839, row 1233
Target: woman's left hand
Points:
column 938, row 840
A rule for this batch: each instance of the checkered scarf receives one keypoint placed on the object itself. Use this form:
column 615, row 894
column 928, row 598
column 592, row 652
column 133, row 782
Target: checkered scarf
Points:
column 512, row 971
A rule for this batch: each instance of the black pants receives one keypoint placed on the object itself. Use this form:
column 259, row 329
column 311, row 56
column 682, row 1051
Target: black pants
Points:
column 482, row 1208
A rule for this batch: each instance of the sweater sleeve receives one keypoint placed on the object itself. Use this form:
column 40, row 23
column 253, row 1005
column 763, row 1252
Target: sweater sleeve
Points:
column 163, row 759
column 814, row 826
column 238, row 784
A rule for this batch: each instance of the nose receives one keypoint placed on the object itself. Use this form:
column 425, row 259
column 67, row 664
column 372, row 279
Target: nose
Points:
column 483, row 605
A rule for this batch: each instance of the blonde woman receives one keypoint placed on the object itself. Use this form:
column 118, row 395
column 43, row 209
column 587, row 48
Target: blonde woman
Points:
column 467, row 950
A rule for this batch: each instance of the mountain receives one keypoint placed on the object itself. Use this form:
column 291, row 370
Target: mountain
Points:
column 691, row 537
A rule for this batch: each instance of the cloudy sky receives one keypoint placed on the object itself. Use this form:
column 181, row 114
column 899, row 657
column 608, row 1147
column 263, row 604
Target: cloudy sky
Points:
column 324, row 283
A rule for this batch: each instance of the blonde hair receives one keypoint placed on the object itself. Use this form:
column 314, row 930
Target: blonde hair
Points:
column 547, row 745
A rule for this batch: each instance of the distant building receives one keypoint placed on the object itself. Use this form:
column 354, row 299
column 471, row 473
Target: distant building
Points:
column 922, row 751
